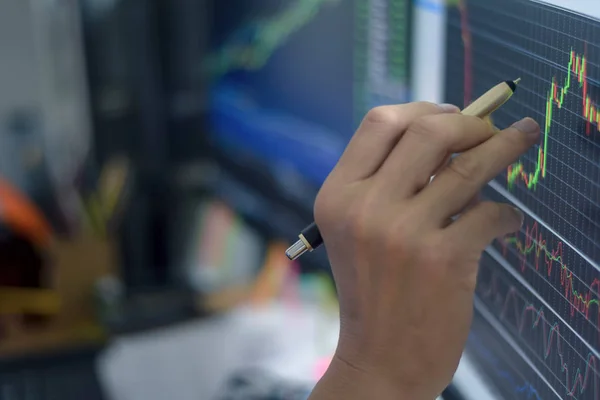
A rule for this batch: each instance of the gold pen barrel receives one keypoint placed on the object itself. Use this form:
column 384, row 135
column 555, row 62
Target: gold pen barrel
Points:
column 490, row 101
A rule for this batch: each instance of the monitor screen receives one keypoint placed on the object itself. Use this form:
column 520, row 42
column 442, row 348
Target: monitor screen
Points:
column 292, row 79
column 536, row 331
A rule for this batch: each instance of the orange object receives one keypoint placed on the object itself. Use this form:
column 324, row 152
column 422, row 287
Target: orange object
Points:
column 22, row 216
column 269, row 283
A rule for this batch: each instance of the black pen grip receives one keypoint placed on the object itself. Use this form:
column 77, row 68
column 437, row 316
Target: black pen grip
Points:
column 312, row 235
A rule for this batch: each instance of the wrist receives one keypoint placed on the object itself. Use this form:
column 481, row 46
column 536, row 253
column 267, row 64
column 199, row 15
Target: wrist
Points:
column 345, row 381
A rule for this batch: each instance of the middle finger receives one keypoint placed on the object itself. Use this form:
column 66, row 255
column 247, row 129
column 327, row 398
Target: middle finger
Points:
column 452, row 189
column 425, row 147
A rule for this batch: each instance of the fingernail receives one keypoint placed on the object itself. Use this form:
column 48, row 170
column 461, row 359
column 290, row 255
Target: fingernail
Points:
column 528, row 126
column 449, row 108
column 520, row 214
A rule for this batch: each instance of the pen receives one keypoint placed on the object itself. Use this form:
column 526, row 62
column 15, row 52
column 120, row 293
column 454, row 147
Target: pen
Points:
column 310, row 237
column 492, row 100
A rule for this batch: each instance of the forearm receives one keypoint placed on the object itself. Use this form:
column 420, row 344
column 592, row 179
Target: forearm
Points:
column 342, row 381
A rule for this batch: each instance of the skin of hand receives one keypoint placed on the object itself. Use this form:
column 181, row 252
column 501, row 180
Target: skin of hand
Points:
column 405, row 270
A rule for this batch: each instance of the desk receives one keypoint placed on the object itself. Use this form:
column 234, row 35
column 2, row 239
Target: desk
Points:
column 192, row 361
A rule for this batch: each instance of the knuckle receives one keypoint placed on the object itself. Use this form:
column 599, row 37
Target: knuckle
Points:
column 426, row 107
column 515, row 140
column 385, row 115
column 476, row 127
column 427, row 127
column 478, row 123
column 393, row 114
column 451, row 129
column 466, row 167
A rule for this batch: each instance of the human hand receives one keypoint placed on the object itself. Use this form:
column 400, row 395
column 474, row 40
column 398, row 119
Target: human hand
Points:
column 404, row 269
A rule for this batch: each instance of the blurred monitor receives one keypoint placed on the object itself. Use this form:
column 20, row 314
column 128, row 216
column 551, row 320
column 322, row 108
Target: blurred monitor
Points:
column 290, row 80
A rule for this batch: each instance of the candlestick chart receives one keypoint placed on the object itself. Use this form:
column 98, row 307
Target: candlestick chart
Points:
column 540, row 287
column 557, row 55
column 555, row 99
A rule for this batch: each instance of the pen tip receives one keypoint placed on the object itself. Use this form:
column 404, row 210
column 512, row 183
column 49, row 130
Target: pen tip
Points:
column 513, row 84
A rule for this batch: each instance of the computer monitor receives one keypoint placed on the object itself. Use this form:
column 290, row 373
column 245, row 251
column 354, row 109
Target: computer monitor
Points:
column 292, row 79
column 536, row 332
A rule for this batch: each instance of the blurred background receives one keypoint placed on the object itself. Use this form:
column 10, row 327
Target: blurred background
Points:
column 157, row 158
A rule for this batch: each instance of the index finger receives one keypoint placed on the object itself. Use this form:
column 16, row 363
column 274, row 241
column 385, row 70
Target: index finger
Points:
column 453, row 188
column 378, row 134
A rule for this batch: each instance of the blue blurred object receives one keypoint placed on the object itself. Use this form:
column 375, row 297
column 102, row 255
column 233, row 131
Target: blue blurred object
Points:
column 274, row 136
column 282, row 78
column 291, row 79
